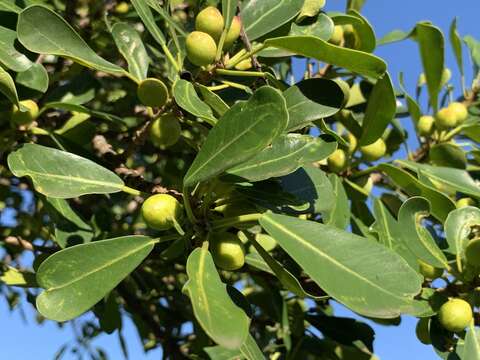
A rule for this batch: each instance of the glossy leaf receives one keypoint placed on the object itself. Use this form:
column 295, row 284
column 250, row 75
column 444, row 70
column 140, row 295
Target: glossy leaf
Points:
column 165, row 16
column 471, row 347
column 353, row 60
column 393, row 36
column 310, row 8
column 240, row 134
column 260, row 18
column 213, row 100
column 456, row 43
column 132, row 49
column 42, row 31
column 9, row 6
column 144, row 12
column 250, row 349
column 320, row 27
column 220, row 317
column 78, row 277
column 15, row 277
column 187, row 98
column 365, row 36
column 221, row 353
column 448, row 155
column 36, row 78
column 474, row 47
column 326, row 253
column 7, row 87
column 381, row 108
column 9, row 56
column 338, row 214
column 229, row 8
column 458, row 227
column 286, row 154
column 60, row 174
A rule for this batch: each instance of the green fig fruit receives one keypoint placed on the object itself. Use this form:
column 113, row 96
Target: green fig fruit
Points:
column 337, row 36
column 211, row 22
column 122, row 8
column 446, row 118
column 352, row 143
column 422, row 331
column 162, row 211
column 374, row 151
column 228, row 251
column 460, row 110
column 165, row 130
column 244, row 65
column 472, row 252
column 201, row 48
column 425, row 125
column 337, row 161
column 152, row 92
column 25, row 118
column 429, row 272
column 455, row 315
column 464, row 202
column 233, row 33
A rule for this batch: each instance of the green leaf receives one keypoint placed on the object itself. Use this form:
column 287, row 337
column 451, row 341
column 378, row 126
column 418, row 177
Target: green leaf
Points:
column 474, row 47
column 356, row 5
column 250, row 349
column 154, row 4
column 458, row 227
column 471, row 347
column 338, row 214
column 9, row 6
column 432, row 51
column 221, row 353
column 60, row 174
column 15, row 277
column 365, row 36
column 353, row 60
column 448, row 155
column 456, row 43
column 325, row 253
column 416, row 236
column 320, row 26
column 187, row 98
column 36, row 78
column 130, row 45
column 286, row 154
column 412, row 105
column 394, row 36
column 260, row 18
column 82, row 109
column 77, row 277
column 229, row 8
column 43, row 31
column 310, row 8
column 144, row 12
column 7, row 87
column 220, row 317
column 9, row 56
column 246, row 129
column 213, row 100
column 381, row 108
column 312, row 99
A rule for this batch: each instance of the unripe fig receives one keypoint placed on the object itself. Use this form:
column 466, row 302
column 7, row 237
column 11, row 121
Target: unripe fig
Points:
column 233, row 33
column 472, row 252
column 244, row 65
column 374, row 151
column 464, row 202
column 425, row 125
column 422, row 331
column 429, row 272
column 27, row 117
column 460, row 110
column 446, row 118
column 455, row 315
column 122, row 8
column 352, row 143
column 165, row 130
column 162, row 211
column 201, row 48
column 337, row 161
column 337, row 36
column 210, row 21
column 228, row 251
column 152, row 92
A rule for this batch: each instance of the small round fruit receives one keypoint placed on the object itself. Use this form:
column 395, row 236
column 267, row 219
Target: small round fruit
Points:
column 337, row 161
column 464, row 202
column 374, row 151
column 122, row 8
column 337, row 36
column 425, row 125
column 429, row 272
column 472, row 252
column 455, row 315
column 422, row 331
column 446, row 118
column 210, row 21
column 165, row 130
column 233, row 33
column 352, row 143
column 201, row 48
column 228, row 251
column 162, row 211
column 152, row 92
column 460, row 111
column 27, row 117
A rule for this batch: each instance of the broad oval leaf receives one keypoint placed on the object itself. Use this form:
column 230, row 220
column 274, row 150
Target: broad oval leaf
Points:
column 321, row 26
column 220, row 317
column 78, row 277
column 246, row 129
column 213, row 100
column 250, row 349
column 7, row 87
column 9, row 56
column 35, row 77
column 338, row 214
column 458, row 227
column 60, row 174
column 353, row 60
column 326, row 254
column 365, row 36
column 448, row 155
column 187, row 98
column 43, row 31
column 284, row 156
column 261, row 17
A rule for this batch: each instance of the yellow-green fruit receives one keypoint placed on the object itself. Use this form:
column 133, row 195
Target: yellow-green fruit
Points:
column 201, row 48
column 162, row 211
column 464, row 202
column 244, row 65
column 472, row 252
column 165, row 130
column 210, row 21
column 425, row 125
column 266, row 241
column 352, row 143
column 446, row 76
column 122, row 8
column 228, row 251
column 455, row 315
column 429, row 272
column 422, row 332
column 27, row 117
column 152, row 92
column 460, row 111
column 446, row 118
column 233, row 33
column 374, row 151
column 337, row 36
column 337, row 161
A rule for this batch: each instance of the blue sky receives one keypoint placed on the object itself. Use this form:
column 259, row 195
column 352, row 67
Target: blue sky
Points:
column 20, row 339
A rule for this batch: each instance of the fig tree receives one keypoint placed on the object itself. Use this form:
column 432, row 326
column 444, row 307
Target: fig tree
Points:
column 429, row 272
column 233, row 33
column 25, row 118
column 337, row 36
column 455, row 315
column 228, row 251
column 201, row 48
column 165, row 131
column 425, row 125
column 210, row 21
column 446, row 118
column 472, row 252
column 374, row 151
column 422, row 331
column 162, row 211
column 152, row 92
column 337, row 161
column 460, row 111
column 464, row 202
